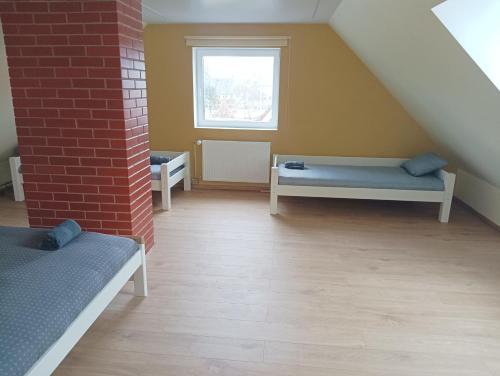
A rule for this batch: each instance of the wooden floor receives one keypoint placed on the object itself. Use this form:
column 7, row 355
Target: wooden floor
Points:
column 329, row 287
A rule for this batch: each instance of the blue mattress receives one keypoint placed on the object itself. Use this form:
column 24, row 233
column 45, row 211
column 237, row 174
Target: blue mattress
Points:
column 156, row 171
column 358, row 177
column 42, row 292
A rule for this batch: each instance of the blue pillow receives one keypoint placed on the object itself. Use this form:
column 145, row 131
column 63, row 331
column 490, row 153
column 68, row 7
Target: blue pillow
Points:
column 424, row 164
column 158, row 159
column 60, row 235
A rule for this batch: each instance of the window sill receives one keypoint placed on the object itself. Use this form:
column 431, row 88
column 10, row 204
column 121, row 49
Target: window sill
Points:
column 237, row 129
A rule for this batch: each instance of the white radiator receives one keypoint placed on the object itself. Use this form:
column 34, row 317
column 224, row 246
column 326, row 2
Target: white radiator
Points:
column 236, row 161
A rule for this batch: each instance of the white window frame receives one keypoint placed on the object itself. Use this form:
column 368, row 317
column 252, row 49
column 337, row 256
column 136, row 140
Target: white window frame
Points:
column 198, row 88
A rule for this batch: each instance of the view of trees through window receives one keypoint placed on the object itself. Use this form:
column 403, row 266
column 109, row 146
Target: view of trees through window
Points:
column 238, row 88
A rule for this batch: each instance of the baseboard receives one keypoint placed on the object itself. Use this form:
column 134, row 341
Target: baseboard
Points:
column 231, row 186
column 479, row 195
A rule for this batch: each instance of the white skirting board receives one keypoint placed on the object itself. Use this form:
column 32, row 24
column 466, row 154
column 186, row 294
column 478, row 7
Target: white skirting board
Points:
column 480, row 195
column 236, row 161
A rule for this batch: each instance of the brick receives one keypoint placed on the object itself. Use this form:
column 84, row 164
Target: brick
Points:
column 65, row 6
column 41, row 93
column 85, row 40
column 19, row 40
column 66, row 179
column 84, row 17
column 57, row 205
column 60, row 123
column 52, row 187
column 81, row 171
column 101, row 216
column 64, row 161
column 102, row 51
column 70, row 214
column 67, row 29
column 79, row 152
column 31, row 7
column 71, row 51
column 74, row 113
column 90, row 103
column 84, row 206
column 93, row 142
column 101, row 29
column 87, row 62
column 82, row 188
column 71, row 197
column 88, row 83
column 52, row 40
column 96, row 162
column 71, row 72
column 50, row 18
column 99, row 198
column 17, row 18
column 99, row 6
column 54, row 61
column 36, row 51
column 74, row 93
column 58, row 103
column 60, row 83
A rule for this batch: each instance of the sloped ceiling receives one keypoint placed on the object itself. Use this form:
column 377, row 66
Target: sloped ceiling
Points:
column 419, row 61
column 238, row 11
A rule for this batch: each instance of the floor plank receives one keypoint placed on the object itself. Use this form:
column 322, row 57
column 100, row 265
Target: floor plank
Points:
column 327, row 287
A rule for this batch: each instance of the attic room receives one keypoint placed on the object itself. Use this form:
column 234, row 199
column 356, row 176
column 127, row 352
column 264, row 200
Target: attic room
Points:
column 264, row 188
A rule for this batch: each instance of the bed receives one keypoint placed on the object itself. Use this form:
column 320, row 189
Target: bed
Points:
column 359, row 178
column 166, row 175
column 48, row 299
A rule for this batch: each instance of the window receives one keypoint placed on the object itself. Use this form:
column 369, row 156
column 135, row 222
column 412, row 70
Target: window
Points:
column 236, row 88
column 476, row 26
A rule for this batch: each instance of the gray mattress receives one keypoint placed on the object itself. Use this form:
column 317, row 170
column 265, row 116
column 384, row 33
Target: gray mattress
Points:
column 358, row 177
column 156, row 171
column 42, row 292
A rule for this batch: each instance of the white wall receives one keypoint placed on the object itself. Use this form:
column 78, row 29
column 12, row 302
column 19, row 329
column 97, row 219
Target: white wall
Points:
column 480, row 195
column 8, row 138
column 422, row 64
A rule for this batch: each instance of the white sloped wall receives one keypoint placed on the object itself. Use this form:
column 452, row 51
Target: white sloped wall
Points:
column 8, row 139
column 421, row 63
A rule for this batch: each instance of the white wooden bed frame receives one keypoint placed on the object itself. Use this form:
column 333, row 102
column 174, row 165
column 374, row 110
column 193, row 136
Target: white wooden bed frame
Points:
column 166, row 182
column 444, row 197
column 134, row 269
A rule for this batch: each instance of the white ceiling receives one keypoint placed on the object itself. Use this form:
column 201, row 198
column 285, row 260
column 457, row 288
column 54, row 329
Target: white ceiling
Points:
column 238, row 11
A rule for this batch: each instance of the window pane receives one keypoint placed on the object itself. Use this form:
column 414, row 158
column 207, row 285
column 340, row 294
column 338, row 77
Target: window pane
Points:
column 238, row 88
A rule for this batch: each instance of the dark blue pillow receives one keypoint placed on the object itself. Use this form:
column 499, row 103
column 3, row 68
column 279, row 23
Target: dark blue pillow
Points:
column 424, row 164
column 159, row 159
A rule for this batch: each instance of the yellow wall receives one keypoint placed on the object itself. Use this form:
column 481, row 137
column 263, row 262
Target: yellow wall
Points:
column 330, row 103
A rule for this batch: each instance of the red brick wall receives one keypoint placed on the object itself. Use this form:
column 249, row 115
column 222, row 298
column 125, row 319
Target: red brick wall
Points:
column 79, row 91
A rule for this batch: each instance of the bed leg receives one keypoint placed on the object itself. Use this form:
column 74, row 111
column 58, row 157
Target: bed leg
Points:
column 166, row 202
column 140, row 277
column 444, row 210
column 449, row 185
column 274, row 195
column 187, row 174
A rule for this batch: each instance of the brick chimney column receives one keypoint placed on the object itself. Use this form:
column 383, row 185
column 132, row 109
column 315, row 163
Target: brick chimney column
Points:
column 79, row 92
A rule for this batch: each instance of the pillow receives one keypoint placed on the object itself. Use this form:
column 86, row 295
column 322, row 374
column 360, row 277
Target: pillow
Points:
column 424, row 164
column 60, row 235
column 158, row 159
